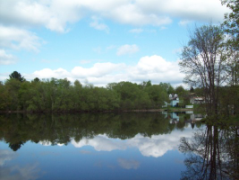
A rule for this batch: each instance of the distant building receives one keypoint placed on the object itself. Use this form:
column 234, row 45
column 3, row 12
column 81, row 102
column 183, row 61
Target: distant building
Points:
column 174, row 100
column 197, row 100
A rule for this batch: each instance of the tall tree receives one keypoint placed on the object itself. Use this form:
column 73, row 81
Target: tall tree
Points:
column 205, row 64
column 16, row 75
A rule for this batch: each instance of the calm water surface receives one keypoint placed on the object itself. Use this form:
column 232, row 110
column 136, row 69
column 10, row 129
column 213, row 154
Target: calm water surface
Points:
column 101, row 146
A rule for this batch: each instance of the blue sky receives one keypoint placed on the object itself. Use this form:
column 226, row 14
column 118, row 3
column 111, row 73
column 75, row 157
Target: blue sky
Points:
column 100, row 41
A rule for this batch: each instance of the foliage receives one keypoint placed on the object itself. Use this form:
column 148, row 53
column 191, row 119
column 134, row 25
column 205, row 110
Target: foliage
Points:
column 59, row 95
column 231, row 23
column 16, row 75
column 17, row 129
column 230, row 103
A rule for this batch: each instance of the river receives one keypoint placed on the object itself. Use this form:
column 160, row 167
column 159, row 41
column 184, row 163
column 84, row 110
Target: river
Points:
column 112, row 146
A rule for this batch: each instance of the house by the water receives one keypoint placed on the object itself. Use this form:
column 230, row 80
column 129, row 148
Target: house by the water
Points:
column 174, row 100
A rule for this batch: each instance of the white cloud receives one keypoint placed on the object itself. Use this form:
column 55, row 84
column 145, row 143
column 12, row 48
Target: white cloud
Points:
column 134, row 14
column 127, row 49
column 99, row 74
column 153, row 68
column 53, row 14
column 98, row 25
column 48, row 73
column 15, row 38
column 196, row 10
column 5, row 58
column 156, row 68
column 56, row 14
column 99, row 69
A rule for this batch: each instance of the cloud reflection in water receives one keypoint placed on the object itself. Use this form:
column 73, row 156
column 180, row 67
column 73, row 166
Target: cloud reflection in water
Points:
column 27, row 172
column 155, row 146
column 128, row 164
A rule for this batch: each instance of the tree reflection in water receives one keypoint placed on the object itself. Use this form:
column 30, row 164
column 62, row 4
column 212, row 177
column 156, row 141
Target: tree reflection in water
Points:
column 61, row 129
column 212, row 154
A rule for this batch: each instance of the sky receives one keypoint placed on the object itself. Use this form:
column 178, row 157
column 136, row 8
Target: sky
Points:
column 100, row 42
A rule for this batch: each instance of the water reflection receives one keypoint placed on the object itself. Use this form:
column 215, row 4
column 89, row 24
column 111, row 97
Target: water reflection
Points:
column 16, row 172
column 154, row 146
column 212, row 154
column 107, row 144
column 6, row 155
column 128, row 164
column 28, row 172
column 60, row 130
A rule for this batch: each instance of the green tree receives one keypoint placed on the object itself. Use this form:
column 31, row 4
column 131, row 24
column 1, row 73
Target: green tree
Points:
column 4, row 98
column 23, row 95
column 36, row 79
column 59, row 95
column 167, row 87
column 180, row 91
column 231, row 27
column 35, row 96
column 145, row 84
column 12, row 86
column 16, row 75
column 157, row 95
column 231, row 23
column 184, row 96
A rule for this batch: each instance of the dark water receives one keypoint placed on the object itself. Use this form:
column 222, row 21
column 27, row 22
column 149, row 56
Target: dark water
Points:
column 115, row 146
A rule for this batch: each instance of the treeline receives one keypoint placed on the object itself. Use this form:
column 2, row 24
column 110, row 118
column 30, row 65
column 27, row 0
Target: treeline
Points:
column 60, row 95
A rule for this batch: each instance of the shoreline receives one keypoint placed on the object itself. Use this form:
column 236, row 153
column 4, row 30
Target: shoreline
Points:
column 106, row 111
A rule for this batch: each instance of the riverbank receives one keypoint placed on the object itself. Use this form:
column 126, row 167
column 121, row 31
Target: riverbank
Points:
column 109, row 111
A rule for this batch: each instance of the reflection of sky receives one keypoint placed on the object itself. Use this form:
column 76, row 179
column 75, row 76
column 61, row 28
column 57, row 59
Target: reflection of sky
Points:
column 98, row 158
column 28, row 172
column 102, row 143
column 6, row 155
column 16, row 172
column 154, row 146
column 128, row 164
column 48, row 143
